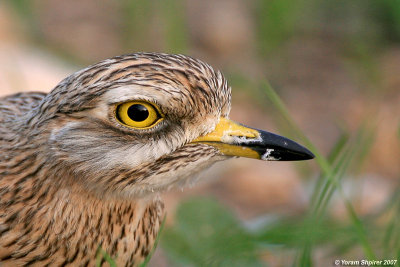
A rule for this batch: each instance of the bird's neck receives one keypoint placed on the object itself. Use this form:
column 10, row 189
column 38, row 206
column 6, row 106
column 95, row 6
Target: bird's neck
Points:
column 85, row 209
column 70, row 224
column 125, row 229
column 42, row 197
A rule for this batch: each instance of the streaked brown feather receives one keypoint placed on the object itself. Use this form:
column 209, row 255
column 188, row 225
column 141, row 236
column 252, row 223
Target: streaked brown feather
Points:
column 72, row 179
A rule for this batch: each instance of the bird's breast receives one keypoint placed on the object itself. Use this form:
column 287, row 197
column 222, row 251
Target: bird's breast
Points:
column 71, row 230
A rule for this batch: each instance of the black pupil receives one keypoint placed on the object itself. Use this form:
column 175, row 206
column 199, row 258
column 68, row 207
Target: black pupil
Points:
column 138, row 112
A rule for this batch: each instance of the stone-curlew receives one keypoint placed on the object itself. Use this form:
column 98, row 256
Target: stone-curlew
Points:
column 82, row 166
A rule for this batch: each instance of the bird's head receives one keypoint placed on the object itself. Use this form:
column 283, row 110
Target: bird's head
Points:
column 144, row 122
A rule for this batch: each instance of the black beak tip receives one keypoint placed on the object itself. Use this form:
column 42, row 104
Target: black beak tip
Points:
column 294, row 154
column 307, row 154
column 283, row 149
column 294, row 151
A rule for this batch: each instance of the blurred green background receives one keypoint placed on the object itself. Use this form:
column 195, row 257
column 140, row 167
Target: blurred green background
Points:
column 323, row 72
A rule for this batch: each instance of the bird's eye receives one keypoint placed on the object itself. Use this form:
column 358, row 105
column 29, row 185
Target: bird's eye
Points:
column 138, row 114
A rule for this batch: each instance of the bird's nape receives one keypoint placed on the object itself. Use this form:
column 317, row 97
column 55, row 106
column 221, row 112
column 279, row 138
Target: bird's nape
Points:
column 83, row 166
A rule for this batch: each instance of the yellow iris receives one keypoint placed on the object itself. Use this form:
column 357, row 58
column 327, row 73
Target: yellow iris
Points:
column 138, row 114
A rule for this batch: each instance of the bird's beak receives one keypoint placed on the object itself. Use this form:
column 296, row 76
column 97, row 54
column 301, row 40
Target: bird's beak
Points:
column 233, row 139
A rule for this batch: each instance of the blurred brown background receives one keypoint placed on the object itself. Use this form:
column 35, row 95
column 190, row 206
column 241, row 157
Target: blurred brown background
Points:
column 336, row 65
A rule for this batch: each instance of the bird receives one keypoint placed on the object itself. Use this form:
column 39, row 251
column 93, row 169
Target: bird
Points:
column 83, row 166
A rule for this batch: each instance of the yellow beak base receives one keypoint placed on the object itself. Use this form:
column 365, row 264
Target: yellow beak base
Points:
column 222, row 138
column 233, row 139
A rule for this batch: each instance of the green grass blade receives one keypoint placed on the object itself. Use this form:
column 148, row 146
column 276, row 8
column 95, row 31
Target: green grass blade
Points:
column 148, row 258
column 103, row 255
column 278, row 104
column 338, row 148
column 330, row 174
column 207, row 234
column 392, row 234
